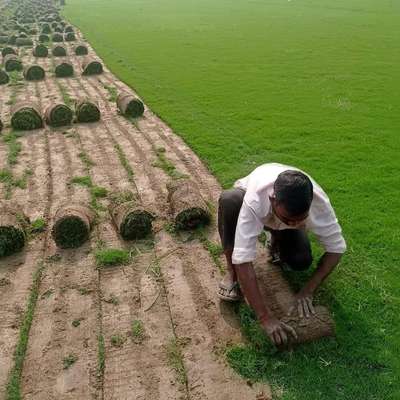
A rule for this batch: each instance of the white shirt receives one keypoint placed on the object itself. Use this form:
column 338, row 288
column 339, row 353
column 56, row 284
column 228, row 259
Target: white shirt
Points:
column 256, row 212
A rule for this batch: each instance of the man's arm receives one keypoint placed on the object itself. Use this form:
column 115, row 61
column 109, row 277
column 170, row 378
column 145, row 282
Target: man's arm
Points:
column 276, row 330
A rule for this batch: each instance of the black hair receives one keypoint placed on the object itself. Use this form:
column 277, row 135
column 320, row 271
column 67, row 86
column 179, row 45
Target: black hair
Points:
column 294, row 190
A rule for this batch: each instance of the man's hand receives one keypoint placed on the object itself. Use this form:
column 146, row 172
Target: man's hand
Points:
column 304, row 305
column 278, row 332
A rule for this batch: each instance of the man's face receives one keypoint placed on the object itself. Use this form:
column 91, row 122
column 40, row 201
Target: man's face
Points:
column 289, row 220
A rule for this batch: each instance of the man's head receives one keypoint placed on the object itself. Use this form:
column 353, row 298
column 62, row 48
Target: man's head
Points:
column 293, row 194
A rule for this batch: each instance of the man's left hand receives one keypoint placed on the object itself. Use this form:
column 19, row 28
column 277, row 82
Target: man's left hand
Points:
column 304, row 305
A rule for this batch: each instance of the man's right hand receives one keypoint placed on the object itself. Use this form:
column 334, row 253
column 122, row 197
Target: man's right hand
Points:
column 278, row 331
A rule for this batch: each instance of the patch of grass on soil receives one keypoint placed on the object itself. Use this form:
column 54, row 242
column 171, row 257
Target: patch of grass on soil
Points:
column 82, row 181
column 112, row 257
column 69, row 360
column 166, row 165
column 112, row 91
column 38, row 226
column 117, row 340
column 175, row 360
column 124, row 162
column 138, row 332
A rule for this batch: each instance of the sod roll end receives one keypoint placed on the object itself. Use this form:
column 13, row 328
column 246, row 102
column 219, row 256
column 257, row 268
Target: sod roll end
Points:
column 12, row 63
column 87, row 111
column 26, row 116
column 64, row 69
column 59, row 51
column 72, row 226
column 81, row 50
column 34, row 73
column 57, row 115
column 187, row 207
column 4, row 78
column 13, row 224
column 40, row 50
column 129, row 105
column 91, row 67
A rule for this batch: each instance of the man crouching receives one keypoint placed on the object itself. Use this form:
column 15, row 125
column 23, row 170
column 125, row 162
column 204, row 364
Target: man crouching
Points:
column 287, row 203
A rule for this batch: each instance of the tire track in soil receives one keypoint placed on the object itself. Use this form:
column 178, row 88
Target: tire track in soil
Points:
column 134, row 368
column 67, row 294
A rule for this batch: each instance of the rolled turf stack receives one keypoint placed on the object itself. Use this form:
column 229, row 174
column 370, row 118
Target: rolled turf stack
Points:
column 59, row 51
column 129, row 105
column 40, row 50
column 72, row 226
column 81, row 50
column 4, row 78
column 13, row 225
column 91, row 67
column 187, row 207
column 130, row 218
column 87, row 111
column 58, row 115
column 64, row 69
column 26, row 116
column 34, row 73
column 8, row 50
column 12, row 63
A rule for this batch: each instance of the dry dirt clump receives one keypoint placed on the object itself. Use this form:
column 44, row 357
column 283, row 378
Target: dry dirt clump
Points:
column 59, row 51
column 12, row 63
column 130, row 105
column 34, row 73
column 57, row 115
column 64, row 69
column 87, row 111
column 81, row 50
column 188, row 208
column 26, row 116
column 130, row 218
column 13, row 224
column 72, row 226
column 91, row 67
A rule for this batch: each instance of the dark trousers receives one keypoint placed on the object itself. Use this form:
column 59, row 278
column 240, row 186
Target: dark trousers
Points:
column 292, row 245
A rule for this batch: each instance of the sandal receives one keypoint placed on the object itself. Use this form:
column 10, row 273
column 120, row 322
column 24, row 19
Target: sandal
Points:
column 229, row 292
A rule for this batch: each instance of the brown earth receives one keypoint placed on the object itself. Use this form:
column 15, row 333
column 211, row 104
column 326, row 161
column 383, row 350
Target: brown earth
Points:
column 169, row 286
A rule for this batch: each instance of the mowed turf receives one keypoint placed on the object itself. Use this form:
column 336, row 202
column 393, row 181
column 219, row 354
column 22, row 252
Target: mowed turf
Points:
column 313, row 84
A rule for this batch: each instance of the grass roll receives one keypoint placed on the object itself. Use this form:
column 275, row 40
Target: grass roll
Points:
column 40, row 50
column 87, row 111
column 91, row 67
column 8, row 50
column 43, row 38
column 72, row 226
column 57, row 37
column 81, row 50
column 34, row 73
column 24, row 42
column 46, row 29
column 12, row 63
column 26, row 116
column 59, row 51
column 187, row 207
column 12, row 39
column 69, row 29
column 13, row 224
column 69, row 37
column 131, row 219
column 129, row 105
column 64, row 69
column 4, row 78
column 58, row 115
column 3, row 39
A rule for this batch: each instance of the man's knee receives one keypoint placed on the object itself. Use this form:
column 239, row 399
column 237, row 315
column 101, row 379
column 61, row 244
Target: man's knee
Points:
column 231, row 199
column 300, row 261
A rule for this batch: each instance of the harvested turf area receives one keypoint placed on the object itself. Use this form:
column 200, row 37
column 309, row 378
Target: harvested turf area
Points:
column 307, row 83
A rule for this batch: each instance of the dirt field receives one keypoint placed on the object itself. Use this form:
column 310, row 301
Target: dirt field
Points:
column 82, row 343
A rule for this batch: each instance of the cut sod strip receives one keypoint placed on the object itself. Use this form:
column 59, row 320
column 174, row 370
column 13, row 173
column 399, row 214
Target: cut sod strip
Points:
column 130, row 105
column 58, row 115
column 26, row 116
column 72, row 226
column 188, row 208
column 130, row 218
column 13, row 226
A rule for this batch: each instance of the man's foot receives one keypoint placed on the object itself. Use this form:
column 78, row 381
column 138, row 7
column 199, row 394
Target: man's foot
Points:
column 229, row 290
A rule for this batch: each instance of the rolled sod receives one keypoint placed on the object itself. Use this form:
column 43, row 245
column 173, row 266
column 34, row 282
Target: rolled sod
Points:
column 72, row 226
column 187, row 207
column 40, row 50
column 129, row 105
column 26, row 116
column 12, row 63
column 4, row 78
column 12, row 39
column 13, row 225
column 1, row 125
column 91, row 67
column 59, row 51
column 34, row 73
column 87, row 111
column 3, row 39
column 59, row 29
column 131, row 219
column 81, row 50
column 64, row 69
column 58, row 115
column 46, row 29
column 57, row 37
column 8, row 50
column 24, row 42
column 69, row 29
column 43, row 38
column 69, row 37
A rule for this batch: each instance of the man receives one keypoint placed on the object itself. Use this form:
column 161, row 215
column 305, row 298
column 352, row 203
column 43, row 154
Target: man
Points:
column 287, row 203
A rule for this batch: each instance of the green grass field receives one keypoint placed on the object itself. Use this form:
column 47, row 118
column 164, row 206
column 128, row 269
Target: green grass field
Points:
column 311, row 83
